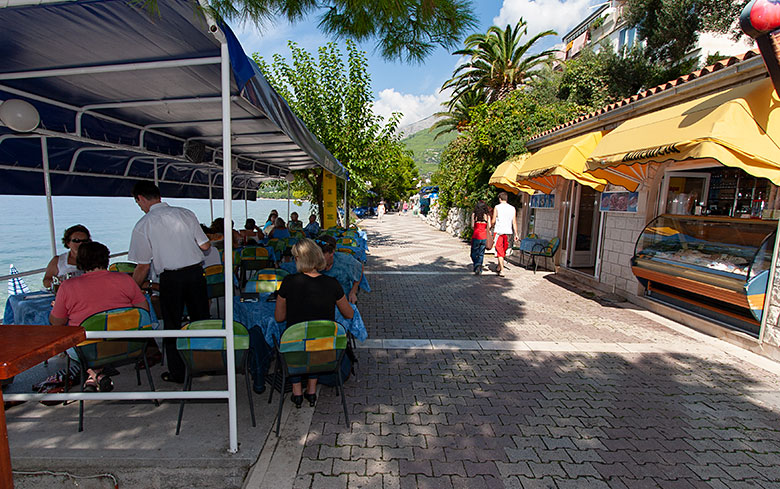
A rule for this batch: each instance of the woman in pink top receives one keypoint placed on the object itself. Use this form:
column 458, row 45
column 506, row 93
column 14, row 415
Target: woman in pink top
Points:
column 97, row 290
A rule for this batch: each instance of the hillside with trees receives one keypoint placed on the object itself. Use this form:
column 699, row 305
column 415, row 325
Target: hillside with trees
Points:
column 426, row 149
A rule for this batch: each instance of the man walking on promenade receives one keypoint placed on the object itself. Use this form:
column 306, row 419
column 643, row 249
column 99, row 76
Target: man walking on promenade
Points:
column 505, row 225
column 171, row 240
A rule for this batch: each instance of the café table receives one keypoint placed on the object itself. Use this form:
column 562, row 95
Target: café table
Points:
column 34, row 308
column 260, row 314
column 23, row 347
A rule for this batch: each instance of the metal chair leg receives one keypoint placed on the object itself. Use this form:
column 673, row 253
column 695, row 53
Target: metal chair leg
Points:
column 149, row 374
column 343, row 397
column 281, row 402
column 187, row 387
column 249, row 390
column 81, row 402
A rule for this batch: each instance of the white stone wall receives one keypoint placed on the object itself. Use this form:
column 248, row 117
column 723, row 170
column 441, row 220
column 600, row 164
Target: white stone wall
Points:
column 456, row 221
column 546, row 223
column 621, row 230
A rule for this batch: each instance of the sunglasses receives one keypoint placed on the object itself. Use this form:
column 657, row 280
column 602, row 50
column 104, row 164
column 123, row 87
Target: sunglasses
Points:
column 77, row 240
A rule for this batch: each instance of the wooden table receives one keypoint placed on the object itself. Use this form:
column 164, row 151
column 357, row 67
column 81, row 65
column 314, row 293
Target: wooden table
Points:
column 23, row 347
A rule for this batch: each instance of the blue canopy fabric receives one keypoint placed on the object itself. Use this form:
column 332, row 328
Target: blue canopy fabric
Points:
column 106, row 125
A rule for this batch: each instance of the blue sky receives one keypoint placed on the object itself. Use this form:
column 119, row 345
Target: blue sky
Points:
column 413, row 89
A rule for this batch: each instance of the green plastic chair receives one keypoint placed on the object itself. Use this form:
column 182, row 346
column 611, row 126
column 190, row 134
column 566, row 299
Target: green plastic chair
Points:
column 347, row 241
column 307, row 348
column 266, row 280
column 215, row 282
column 202, row 355
column 104, row 353
column 253, row 258
column 122, row 266
column 278, row 245
column 545, row 252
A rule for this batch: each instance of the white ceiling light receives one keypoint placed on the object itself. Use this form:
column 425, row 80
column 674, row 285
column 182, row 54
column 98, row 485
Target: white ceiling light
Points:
column 19, row 116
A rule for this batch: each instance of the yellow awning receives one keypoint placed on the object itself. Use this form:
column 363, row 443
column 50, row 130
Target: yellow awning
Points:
column 504, row 176
column 738, row 127
column 543, row 170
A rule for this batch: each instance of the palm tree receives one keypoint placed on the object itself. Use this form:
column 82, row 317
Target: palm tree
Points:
column 458, row 117
column 407, row 29
column 498, row 63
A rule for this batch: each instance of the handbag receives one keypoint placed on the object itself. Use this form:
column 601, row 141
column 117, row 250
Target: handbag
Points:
column 489, row 242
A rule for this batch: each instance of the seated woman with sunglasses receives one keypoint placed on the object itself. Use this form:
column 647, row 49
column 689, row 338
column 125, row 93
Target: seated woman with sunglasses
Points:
column 309, row 296
column 65, row 264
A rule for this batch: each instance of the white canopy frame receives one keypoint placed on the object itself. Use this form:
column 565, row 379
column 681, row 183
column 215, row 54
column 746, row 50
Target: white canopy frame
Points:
column 272, row 164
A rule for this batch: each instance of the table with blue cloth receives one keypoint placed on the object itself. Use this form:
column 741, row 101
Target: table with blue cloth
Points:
column 340, row 275
column 34, row 308
column 265, row 332
column 528, row 245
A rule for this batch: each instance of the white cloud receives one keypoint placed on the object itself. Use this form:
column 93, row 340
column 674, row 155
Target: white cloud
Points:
column 413, row 107
column 541, row 15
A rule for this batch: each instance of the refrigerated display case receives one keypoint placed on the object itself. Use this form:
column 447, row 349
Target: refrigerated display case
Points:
column 715, row 266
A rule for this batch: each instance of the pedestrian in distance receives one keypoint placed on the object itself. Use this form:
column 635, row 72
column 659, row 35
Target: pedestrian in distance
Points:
column 380, row 210
column 479, row 239
column 504, row 226
column 171, row 241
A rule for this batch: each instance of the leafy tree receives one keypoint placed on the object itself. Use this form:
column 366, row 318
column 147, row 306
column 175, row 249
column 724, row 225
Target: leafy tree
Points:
column 334, row 100
column 458, row 117
column 499, row 62
column 593, row 80
column 497, row 131
column 406, row 29
column 671, row 28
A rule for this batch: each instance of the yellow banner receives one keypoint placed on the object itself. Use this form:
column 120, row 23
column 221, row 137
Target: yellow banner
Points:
column 329, row 200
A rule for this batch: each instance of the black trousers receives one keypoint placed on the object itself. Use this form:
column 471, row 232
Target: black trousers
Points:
column 179, row 288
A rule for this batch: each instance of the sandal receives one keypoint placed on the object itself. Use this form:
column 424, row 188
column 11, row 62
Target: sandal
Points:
column 90, row 385
column 104, row 383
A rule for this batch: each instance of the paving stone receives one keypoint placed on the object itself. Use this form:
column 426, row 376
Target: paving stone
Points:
column 329, row 482
column 609, row 397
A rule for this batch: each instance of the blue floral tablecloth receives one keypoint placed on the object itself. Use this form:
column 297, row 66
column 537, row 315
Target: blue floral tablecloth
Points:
column 34, row 308
column 260, row 314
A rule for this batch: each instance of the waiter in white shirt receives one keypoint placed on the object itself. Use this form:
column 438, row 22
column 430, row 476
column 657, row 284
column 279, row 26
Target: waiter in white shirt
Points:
column 171, row 240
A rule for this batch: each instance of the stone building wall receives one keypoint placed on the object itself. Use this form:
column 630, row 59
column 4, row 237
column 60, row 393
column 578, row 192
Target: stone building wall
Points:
column 456, row 221
column 546, row 223
column 620, row 234
column 772, row 332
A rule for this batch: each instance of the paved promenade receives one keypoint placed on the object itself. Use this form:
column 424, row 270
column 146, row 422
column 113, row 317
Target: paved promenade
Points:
column 525, row 382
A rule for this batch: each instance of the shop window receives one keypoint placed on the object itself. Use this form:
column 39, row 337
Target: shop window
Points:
column 686, row 193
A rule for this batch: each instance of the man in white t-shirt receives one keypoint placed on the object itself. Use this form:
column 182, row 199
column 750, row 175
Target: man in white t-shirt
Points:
column 171, row 241
column 505, row 226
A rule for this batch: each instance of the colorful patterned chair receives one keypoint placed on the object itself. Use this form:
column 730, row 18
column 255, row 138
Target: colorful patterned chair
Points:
column 202, row 355
column 254, row 258
column 311, row 347
column 545, row 252
column 347, row 241
column 104, row 353
column 346, row 250
column 266, row 280
column 215, row 282
column 122, row 266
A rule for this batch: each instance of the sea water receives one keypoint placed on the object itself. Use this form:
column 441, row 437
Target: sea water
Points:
column 26, row 243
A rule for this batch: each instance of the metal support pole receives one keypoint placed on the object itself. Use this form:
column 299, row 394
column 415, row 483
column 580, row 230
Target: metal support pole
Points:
column 156, row 175
column 211, row 200
column 227, row 192
column 246, row 206
column 288, row 202
column 47, row 187
column 346, row 206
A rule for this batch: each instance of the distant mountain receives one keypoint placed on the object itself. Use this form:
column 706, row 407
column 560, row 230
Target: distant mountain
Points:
column 427, row 152
column 409, row 129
